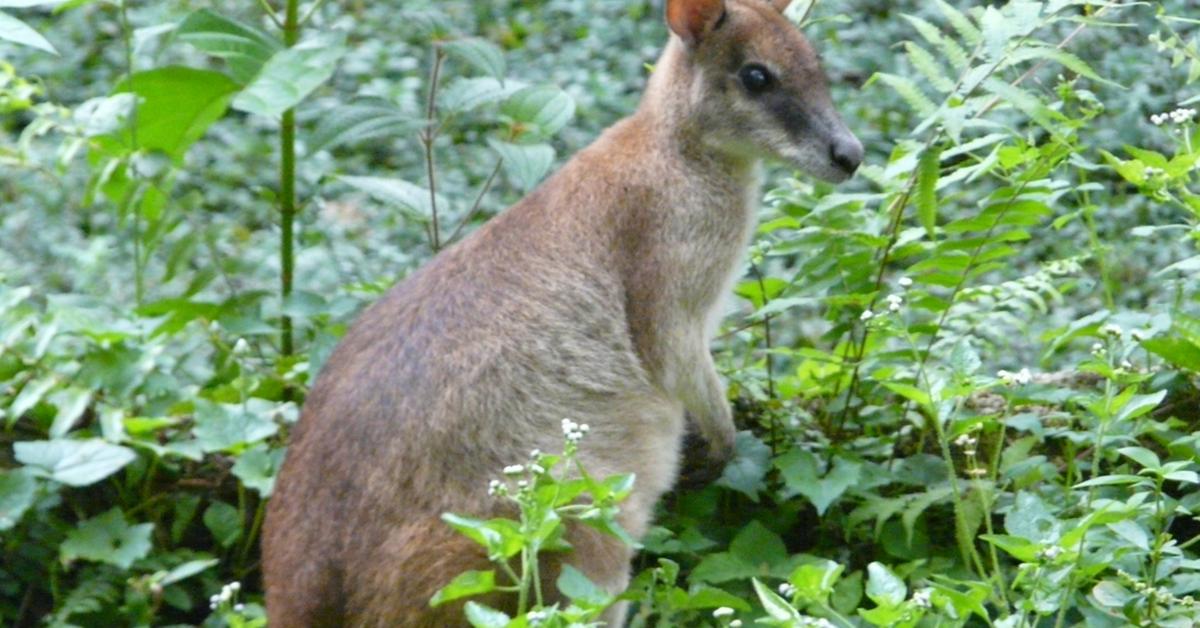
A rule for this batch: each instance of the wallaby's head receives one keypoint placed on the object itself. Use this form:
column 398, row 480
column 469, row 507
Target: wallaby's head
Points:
column 755, row 87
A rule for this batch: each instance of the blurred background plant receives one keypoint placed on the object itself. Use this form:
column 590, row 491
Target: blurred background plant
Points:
column 967, row 381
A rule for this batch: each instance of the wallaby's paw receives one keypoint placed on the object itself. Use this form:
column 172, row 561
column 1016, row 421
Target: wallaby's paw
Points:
column 701, row 464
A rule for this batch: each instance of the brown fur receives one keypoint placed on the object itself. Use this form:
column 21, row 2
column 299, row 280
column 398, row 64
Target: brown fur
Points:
column 593, row 298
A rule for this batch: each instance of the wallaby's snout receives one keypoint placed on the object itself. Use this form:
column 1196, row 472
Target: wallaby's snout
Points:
column 846, row 152
column 758, row 87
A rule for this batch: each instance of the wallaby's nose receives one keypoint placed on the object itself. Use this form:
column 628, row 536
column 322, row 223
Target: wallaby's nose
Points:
column 847, row 153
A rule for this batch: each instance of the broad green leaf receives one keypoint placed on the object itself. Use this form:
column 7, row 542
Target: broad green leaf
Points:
column 410, row 197
column 1030, row 518
column 244, row 47
column 289, row 76
column 480, row 54
column 17, row 491
column 73, row 462
column 883, row 587
column 70, row 402
column 107, row 538
column 1139, row 405
column 1018, row 547
column 219, row 427
column 1112, row 594
column 18, row 32
column 176, row 106
column 187, row 570
column 815, row 581
column 465, row 94
column 31, row 394
column 481, row 616
column 257, row 468
column 757, row 544
column 525, row 164
column 1144, row 457
column 542, row 110
column 368, row 119
column 801, row 477
column 910, row 392
column 1027, row 103
column 465, row 584
column 224, row 522
column 777, row 607
column 751, row 461
column 1177, row 351
column 576, row 586
column 928, row 171
column 1133, row 533
column 702, row 597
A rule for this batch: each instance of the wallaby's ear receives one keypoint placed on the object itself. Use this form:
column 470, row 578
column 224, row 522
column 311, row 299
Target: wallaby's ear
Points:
column 693, row 19
column 781, row 5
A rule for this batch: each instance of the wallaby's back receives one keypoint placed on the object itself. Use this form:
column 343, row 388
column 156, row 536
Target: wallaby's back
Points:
column 457, row 372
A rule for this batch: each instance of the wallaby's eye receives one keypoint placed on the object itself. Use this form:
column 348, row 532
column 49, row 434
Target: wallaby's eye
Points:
column 755, row 77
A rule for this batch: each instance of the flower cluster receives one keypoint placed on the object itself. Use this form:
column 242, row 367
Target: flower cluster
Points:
column 574, row 431
column 498, row 488
column 923, row 598
column 968, row 443
column 1178, row 116
column 228, row 594
column 787, row 590
column 724, row 612
column 1020, row 378
column 1160, row 594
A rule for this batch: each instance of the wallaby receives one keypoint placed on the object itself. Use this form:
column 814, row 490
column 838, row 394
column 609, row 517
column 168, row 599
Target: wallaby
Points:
column 594, row 298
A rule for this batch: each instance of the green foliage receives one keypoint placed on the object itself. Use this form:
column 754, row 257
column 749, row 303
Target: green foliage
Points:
column 966, row 382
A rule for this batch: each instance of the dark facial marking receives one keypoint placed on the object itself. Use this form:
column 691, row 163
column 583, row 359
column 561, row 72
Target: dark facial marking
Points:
column 790, row 114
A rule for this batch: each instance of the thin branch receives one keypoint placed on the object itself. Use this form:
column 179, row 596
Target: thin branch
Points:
column 311, row 11
column 270, row 13
column 428, row 135
column 487, row 185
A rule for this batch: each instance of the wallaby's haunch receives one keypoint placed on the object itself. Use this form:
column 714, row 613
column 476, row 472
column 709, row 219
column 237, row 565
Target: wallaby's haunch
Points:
column 594, row 299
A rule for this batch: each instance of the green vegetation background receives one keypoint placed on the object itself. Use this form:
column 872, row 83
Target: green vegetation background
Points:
column 967, row 381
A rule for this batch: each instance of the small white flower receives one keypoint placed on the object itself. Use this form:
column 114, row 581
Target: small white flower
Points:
column 241, row 347
column 906, row 282
column 1050, row 553
column 522, row 484
column 1097, row 349
column 866, row 315
column 235, row 586
column 1127, row 365
column 1111, row 329
column 536, row 468
column 724, row 611
column 1022, row 377
column 568, row 426
column 514, row 469
column 239, row 608
column 737, row 623
column 1137, row 334
column 495, row 487
column 922, row 598
column 535, row 454
column 787, row 590
column 1158, row 119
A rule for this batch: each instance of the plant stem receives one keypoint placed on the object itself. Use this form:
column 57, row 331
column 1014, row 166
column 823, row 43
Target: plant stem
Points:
column 428, row 135
column 487, row 185
column 287, row 192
